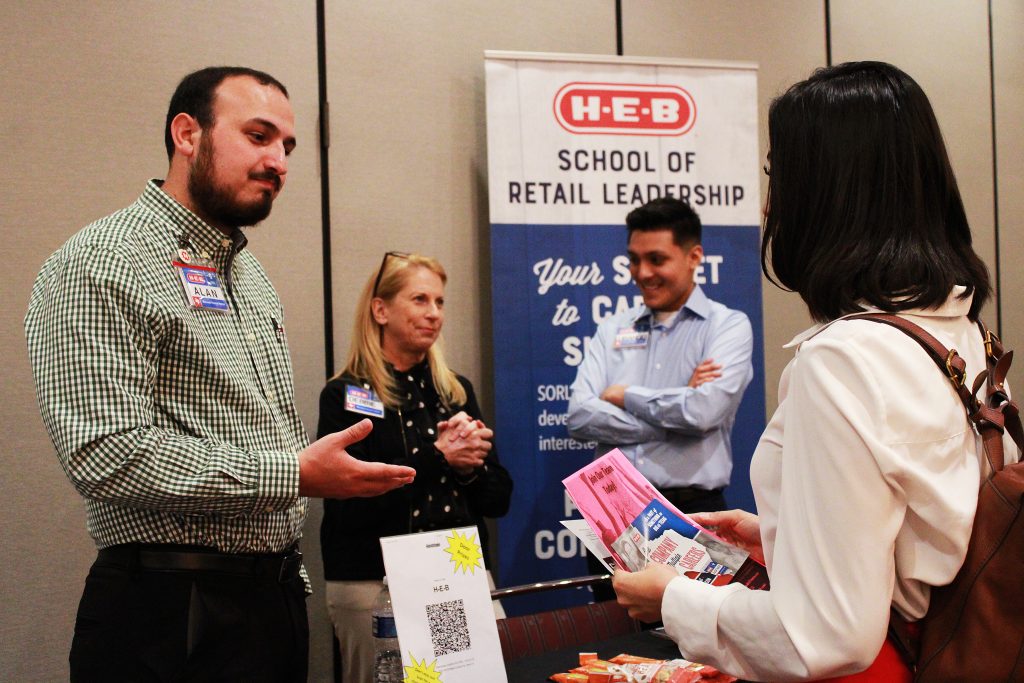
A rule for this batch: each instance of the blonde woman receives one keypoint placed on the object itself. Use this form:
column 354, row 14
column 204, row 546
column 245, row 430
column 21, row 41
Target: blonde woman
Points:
column 424, row 416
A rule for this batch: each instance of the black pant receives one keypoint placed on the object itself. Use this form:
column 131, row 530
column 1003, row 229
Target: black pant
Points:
column 138, row 624
column 688, row 500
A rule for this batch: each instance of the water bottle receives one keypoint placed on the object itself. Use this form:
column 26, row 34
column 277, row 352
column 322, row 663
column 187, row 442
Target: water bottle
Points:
column 387, row 658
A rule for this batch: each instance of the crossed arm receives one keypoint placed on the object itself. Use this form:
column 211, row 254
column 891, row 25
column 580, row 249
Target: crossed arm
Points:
column 619, row 414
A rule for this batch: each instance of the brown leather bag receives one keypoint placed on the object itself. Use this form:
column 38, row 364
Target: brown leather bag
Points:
column 974, row 628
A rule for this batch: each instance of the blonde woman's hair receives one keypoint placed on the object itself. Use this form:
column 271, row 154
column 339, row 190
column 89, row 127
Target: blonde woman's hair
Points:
column 366, row 355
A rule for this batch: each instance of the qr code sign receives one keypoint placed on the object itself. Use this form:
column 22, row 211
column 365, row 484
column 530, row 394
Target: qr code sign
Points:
column 448, row 629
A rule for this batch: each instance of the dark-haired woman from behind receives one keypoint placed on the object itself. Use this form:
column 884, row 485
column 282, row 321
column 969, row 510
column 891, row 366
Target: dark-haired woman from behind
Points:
column 866, row 478
column 424, row 416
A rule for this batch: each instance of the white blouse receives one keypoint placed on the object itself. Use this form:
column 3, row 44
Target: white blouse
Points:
column 866, row 481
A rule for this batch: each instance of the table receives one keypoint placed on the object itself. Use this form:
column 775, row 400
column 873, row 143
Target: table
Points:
column 537, row 668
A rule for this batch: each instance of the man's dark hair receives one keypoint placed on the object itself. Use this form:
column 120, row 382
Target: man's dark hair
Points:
column 194, row 95
column 862, row 202
column 667, row 213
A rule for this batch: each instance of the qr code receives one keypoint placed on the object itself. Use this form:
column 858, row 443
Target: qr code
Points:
column 448, row 629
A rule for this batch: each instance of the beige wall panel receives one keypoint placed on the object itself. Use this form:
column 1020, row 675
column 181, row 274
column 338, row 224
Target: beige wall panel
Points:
column 409, row 146
column 787, row 40
column 944, row 46
column 1008, row 53
column 85, row 89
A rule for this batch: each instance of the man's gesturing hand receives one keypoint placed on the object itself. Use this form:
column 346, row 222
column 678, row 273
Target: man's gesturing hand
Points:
column 327, row 471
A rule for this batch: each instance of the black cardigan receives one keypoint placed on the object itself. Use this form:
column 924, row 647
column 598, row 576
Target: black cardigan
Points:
column 437, row 499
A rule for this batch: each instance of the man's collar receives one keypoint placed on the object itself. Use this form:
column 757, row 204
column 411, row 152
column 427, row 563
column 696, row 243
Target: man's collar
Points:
column 188, row 229
column 697, row 303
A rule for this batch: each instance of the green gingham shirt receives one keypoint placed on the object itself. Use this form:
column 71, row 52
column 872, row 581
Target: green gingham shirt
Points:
column 177, row 425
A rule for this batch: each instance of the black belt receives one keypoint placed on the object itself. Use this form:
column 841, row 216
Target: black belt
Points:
column 281, row 567
column 686, row 494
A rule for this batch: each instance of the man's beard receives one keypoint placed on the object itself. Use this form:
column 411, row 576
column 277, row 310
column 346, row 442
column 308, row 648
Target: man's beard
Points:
column 216, row 204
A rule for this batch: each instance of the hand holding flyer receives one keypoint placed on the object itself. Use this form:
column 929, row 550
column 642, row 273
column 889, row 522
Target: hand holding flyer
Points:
column 638, row 525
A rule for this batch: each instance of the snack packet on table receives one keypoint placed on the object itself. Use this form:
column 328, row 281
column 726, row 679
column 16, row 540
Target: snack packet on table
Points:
column 625, row 668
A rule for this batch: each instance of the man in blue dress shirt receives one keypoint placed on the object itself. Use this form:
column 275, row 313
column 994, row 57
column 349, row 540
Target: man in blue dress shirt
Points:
column 662, row 381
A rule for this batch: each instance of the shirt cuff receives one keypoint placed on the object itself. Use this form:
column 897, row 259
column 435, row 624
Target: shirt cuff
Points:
column 278, row 486
column 471, row 477
column 634, row 402
column 631, row 402
column 689, row 610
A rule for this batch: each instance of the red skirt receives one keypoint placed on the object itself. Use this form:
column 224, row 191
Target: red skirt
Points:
column 888, row 667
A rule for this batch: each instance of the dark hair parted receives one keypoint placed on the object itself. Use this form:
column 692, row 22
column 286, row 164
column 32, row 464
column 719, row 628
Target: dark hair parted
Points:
column 194, row 95
column 862, row 202
column 667, row 213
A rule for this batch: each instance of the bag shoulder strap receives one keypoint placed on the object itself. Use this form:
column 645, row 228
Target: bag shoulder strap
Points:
column 992, row 415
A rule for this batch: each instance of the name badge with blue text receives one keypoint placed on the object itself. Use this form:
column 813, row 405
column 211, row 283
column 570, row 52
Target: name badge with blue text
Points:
column 202, row 287
column 631, row 338
column 363, row 401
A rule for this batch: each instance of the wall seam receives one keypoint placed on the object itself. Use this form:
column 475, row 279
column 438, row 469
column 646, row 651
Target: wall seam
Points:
column 325, row 188
column 618, row 27
column 995, row 173
column 828, row 33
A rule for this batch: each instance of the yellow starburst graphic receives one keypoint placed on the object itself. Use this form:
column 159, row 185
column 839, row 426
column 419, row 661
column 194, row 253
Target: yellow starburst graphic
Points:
column 465, row 552
column 419, row 672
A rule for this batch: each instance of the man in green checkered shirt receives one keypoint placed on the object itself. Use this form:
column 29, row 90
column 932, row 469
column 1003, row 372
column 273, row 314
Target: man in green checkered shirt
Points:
column 164, row 380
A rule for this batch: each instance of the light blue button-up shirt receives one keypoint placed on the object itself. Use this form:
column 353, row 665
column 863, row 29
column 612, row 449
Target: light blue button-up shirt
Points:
column 674, row 434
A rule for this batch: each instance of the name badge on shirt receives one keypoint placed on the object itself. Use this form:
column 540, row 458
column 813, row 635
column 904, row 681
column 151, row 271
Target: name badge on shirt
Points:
column 631, row 338
column 202, row 287
column 363, row 401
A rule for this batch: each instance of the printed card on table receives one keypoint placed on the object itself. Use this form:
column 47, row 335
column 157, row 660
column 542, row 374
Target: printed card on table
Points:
column 442, row 605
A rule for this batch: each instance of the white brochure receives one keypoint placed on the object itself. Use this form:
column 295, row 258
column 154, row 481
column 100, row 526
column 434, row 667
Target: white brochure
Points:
column 581, row 528
column 442, row 605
